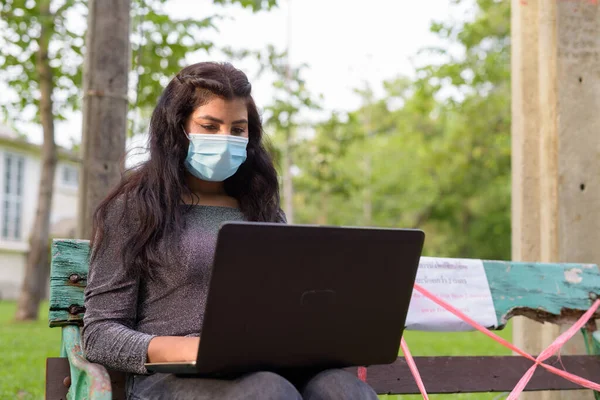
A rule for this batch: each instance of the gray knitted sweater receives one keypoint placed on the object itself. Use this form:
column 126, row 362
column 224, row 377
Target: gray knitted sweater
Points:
column 124, row 312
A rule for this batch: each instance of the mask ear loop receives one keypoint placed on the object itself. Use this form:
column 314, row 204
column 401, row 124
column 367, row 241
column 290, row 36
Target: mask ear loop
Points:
column 186, row 134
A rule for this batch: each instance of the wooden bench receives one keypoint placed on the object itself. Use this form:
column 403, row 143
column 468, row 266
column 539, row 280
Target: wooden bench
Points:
column 556, row 293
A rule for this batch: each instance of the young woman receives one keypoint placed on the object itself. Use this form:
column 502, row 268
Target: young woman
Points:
column 154, row 237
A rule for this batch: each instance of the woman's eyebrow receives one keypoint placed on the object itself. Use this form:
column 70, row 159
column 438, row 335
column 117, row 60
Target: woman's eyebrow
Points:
column 217, row 120
column 210, row 118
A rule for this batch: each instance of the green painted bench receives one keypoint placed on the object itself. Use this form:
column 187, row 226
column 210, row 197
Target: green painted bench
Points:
column 556, row 293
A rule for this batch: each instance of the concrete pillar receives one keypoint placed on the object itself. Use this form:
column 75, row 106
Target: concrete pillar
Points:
column 556, row 147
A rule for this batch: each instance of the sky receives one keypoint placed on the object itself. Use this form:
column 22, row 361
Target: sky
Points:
column 343, row 42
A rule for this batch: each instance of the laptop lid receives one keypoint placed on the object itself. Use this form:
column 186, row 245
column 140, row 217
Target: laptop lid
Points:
column 292, row 296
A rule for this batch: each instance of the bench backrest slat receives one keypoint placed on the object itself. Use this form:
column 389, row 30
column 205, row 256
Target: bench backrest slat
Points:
column 68, row 278
column 557, row 293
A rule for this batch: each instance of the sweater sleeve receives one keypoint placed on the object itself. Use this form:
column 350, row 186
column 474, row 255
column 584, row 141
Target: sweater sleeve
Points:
column 111, row 297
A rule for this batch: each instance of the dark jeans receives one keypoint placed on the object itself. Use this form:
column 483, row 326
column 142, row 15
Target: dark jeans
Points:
column 327, row 385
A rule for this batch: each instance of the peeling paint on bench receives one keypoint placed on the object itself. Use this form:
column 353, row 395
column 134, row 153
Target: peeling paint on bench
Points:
column 557, row 293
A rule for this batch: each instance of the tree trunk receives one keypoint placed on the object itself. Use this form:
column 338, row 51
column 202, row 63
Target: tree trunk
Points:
column 288, row 183
column 36, row 270
column 107, row 64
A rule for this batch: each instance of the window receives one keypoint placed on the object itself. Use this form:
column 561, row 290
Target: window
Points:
column 12, row 196
column 70, row 176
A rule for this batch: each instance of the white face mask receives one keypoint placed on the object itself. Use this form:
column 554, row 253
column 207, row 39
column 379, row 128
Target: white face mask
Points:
column 213, row 157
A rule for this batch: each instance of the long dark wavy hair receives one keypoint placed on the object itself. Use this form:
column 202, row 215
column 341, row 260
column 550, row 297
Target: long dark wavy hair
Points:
column 149, row 196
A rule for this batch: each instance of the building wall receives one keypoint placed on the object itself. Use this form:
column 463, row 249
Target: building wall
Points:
column 64, row 201
column 11, row 274
column 64, row 207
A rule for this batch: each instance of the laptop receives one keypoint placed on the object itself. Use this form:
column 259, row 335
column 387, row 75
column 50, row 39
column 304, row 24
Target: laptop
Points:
column 291, row 297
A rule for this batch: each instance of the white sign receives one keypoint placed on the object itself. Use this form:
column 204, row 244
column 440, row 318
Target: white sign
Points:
column 459, row 282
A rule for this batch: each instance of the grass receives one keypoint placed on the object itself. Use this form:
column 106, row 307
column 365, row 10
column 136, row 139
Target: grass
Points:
column 25, row 346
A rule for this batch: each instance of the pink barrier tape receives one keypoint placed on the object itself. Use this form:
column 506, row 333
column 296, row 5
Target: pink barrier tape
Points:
column 553, row 348
column 362, row 374
column 413, row 368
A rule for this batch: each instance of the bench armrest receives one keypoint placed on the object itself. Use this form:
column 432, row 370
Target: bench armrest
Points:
column 88, row 380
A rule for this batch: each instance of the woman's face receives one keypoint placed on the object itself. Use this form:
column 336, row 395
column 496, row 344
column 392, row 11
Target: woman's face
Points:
column 220, row 117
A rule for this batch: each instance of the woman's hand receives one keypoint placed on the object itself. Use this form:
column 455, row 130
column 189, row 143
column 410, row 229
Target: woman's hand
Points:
column 173, row 349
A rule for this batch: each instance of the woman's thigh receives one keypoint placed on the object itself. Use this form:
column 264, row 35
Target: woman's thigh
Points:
column 259, row 385
column 337, row 384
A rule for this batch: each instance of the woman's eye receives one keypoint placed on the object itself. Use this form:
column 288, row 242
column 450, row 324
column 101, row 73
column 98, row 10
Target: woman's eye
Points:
column 238, row 131
column 209, row 127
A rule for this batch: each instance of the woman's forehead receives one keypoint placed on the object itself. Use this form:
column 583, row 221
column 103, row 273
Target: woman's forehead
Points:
column 223, row 109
